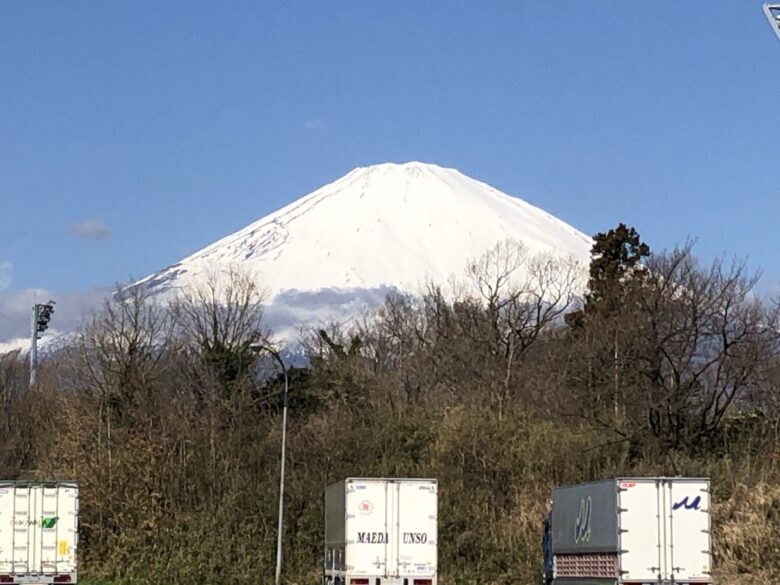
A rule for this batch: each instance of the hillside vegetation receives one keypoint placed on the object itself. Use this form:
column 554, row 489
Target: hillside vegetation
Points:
column 170, row 417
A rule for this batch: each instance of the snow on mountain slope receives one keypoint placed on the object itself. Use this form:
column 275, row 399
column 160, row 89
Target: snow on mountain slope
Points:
column 51, row 342
column 343, row 247
column 388, row 225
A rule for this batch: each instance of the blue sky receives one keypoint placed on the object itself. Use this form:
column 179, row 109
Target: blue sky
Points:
column 134, row 133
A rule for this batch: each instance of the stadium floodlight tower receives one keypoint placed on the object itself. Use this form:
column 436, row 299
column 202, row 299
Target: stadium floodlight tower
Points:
column 41, row 315
column 772, row 12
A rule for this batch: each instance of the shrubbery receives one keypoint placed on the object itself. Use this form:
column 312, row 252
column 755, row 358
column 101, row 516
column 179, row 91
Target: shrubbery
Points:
column 165, row 417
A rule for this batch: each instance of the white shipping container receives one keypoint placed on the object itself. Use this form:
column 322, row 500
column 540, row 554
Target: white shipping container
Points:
column 381, row 532
column 631, row 530
column 38, row 532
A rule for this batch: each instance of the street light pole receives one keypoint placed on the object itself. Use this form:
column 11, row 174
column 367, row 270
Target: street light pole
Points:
column 280, row 528
column 281, row 474
column 34, row 345
column 41, row 315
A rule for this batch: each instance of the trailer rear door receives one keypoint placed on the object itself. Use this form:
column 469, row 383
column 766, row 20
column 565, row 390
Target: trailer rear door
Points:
column 640, row 530
column 416, row 537
column 38, row 528
column 688, row 527
column 391, row 527
column 664, row 530
column 369, row 519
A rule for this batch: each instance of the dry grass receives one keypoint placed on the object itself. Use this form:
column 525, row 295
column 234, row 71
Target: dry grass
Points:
column 747, row 535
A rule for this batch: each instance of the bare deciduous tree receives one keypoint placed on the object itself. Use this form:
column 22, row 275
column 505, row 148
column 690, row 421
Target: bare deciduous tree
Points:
column 121, row 347
column 523, row 296
column 220, row 321
column 688, row 344
column 707, row 340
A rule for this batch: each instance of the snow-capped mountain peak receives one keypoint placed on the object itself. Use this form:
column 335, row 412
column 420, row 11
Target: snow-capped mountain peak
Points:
column 343, row 247
column 383, row 225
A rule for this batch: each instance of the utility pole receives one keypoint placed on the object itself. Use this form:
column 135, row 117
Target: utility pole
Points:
column 41, row 315
column 279, row 532
column 281, row 476
column 34, row 345
column 772, row 12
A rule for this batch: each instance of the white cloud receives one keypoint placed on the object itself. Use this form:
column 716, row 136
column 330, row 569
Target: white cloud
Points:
column 290, row 310
column 6, row 274
column 314, row 125
column 90, row 229
column 71, row 308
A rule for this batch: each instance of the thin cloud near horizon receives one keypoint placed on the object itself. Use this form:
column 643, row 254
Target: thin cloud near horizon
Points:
column 71, row 308
column 6, row 274
column 90, row 229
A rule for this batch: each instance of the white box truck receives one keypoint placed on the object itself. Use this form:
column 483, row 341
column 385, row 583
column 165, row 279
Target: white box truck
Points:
column 38, row 532
column 381, row 532
column 629, row 530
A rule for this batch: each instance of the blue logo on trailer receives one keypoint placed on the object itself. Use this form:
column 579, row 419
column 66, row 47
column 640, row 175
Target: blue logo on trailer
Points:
column 582, row 525
column 693, row 505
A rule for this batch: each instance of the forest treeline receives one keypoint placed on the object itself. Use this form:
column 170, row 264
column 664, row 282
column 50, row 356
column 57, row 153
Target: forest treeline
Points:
column 169, row 415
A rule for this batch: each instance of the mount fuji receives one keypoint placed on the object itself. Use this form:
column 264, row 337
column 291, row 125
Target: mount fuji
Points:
column 378, row 226
column 343, row 247
column 386, row 227
column 376, row 229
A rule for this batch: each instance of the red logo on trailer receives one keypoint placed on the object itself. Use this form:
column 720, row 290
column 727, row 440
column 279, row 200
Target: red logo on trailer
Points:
column 627, row 484
column 366, row 507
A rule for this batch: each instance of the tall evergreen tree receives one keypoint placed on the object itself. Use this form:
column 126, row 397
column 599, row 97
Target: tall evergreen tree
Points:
column 605, row 354
column 615, row 266
column 615, row 269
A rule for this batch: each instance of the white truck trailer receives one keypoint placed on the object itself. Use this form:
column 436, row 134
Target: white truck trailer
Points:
column 381, row 532
column 629, row 530
column 38, row 532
